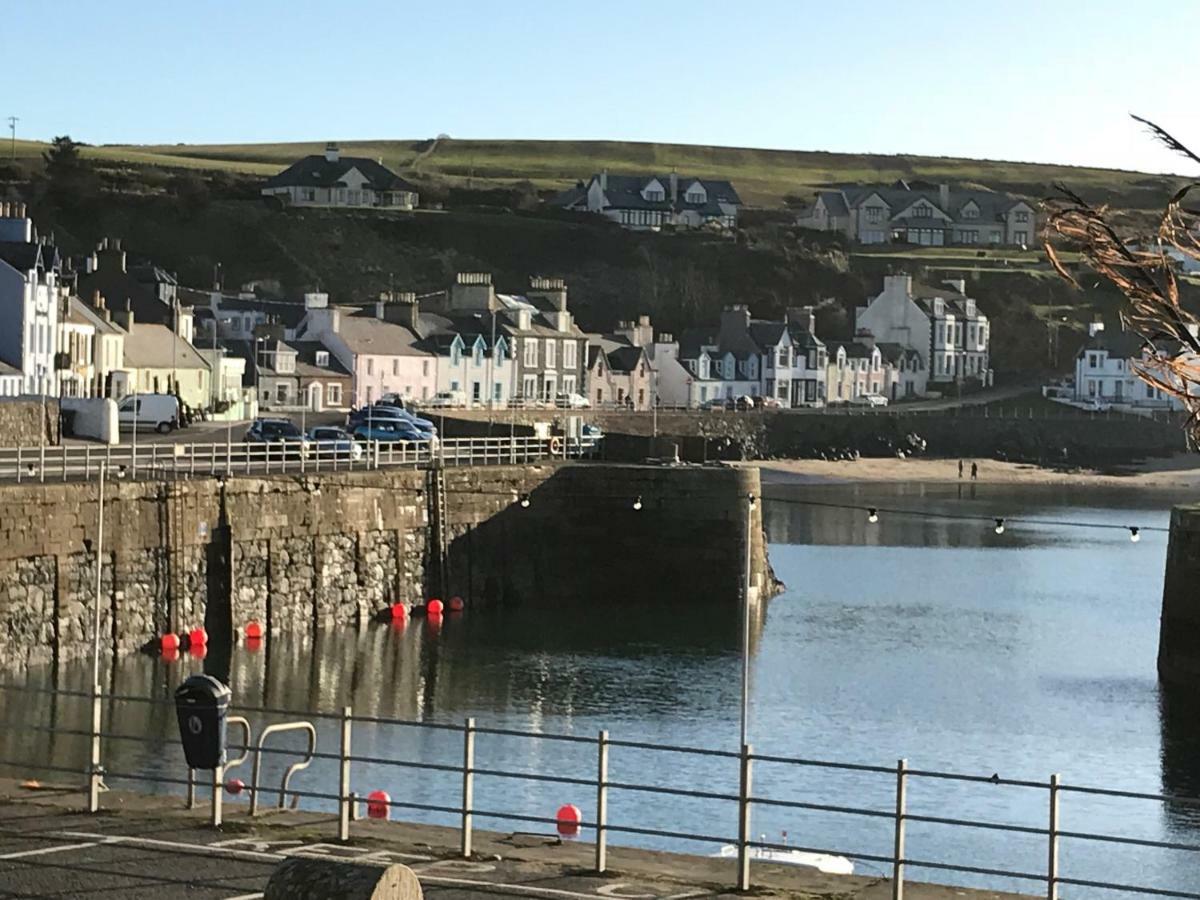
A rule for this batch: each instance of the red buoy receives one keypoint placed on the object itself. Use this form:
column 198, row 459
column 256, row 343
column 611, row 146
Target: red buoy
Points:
column 234, row 785
column 568, row 818
column 197, row 651
column 433, row 607
column 457, row 604
column 169, row 641
column 170, row 654
column 254, row 644
column 377, row 805
column 399, row 611
column 197, row 637
column 254, row 631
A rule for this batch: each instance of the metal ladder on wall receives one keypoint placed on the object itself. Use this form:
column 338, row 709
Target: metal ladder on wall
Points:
column 440, row 552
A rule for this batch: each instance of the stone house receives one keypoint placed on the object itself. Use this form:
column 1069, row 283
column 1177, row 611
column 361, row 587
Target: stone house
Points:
column 922, row 213
column 618, row 374
column 380, row 348
column 941, row 323
column 30, row 303
column 650, row 202
column 334, row 181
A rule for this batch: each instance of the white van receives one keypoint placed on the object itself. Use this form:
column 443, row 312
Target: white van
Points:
column 143, row 411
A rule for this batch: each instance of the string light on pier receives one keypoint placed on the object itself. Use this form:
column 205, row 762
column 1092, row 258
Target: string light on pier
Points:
column 1133, row 534
column 1000, row 526
column 637, row 504
column 872, row 515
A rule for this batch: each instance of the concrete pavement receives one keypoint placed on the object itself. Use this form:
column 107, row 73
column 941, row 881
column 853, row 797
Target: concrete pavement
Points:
column 143, row 847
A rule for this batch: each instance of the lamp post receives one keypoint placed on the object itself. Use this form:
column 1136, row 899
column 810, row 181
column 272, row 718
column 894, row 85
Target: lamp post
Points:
column 751, row 501
column 95, row 780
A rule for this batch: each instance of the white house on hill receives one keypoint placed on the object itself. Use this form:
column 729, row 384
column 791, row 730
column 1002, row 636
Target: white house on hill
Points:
column 341, row 182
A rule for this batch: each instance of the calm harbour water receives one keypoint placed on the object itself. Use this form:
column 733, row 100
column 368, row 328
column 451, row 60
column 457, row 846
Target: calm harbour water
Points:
column 1022, row 654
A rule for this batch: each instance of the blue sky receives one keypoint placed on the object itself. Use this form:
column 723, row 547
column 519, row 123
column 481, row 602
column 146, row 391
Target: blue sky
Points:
column 1049, row 81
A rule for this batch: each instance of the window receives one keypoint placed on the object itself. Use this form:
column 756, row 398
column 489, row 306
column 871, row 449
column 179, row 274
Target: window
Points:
column 308, row 194
column 551, row 347
column 782, row 357
column 971, row 212
column 874, row 213
column 454, row 385
column 333, row 395
column 1022, row 215
column 923, row 212
column 655, row 196
column 322, row 358
column 455, row 354
column 395, row 367
column 476, row 391
column 703, row 393
column 694, row 198
column 568, row 384
column 281, row 393
column 641, row 397
column 496, row 392
column 1020, row 237
column 531, row 347
column 1093, row 360
column 478, row 358
column 968, row 237
column 425, row 367
column 370, row 366
column 570, row 355
column 1149, row 392
column 529, row 386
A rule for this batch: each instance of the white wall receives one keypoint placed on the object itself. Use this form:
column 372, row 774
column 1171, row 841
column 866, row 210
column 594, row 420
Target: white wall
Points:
column 94, row 417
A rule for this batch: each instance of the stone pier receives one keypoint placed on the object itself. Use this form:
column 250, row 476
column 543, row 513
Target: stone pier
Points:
column 1179, row 631
column 300, row 553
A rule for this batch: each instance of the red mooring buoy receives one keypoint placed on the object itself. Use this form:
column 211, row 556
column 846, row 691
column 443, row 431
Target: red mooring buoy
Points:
column 433, row 607
column 568, row 818
column 235, row 785
column 169, row 641
column 457, row 604
column 377, row 805
column 197, row 637
column 254, row 631
column 399, row 611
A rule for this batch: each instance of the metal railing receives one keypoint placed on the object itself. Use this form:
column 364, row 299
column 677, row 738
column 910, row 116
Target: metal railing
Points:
column 179, row 460
column 899, row 856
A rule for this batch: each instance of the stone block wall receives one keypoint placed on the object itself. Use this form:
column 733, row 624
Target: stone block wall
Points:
column 22, row 424
column 315, row 552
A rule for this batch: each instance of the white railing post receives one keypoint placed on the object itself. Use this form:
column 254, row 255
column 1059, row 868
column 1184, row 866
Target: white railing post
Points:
column 20, row 465
column 218, row 777
column 898, row 852
column 743, row 845
column 191, row 788
column 602, row 803
column 95, row 772
column 344, row 799
column 1052, row 858
column 468, row 786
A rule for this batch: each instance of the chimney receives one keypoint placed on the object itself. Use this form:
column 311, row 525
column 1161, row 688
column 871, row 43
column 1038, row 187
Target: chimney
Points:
column 674, row 185
column 1095, row 327
column 14, row 226
column 332, row 154
column 898, row 283
column 604, row 179
column 735, row 322
column 317, row 300
column 124, row 317
column 552, row 289
column 944, row 197
column 865, row 337
column 473, row 291
column 802, row 317
column 399, row 309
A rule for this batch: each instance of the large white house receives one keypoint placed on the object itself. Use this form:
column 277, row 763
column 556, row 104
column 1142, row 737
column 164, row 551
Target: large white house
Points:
column 941, row 323
column 920, row 213
column 29, row 301
column 1105, row 372
column 649, row 202
column 341, row 182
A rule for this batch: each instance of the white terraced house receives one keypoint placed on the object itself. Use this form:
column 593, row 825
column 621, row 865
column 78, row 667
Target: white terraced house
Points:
column 1106, row 371
column 923, row 214
column 941, row 323
column 29, row 303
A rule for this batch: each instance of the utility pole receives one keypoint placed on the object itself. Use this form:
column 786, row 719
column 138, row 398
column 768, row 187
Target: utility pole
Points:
column 12, row 128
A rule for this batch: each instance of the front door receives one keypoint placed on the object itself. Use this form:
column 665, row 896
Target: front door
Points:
column 315, row 398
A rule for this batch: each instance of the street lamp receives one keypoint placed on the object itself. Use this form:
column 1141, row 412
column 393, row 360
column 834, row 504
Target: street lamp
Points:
column 751, row 501
column 96, row 781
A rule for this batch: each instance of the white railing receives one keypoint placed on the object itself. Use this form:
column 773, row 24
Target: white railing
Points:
column 174, row 460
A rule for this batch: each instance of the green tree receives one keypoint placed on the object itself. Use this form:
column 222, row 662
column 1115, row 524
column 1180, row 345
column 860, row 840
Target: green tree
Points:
column 71, row 179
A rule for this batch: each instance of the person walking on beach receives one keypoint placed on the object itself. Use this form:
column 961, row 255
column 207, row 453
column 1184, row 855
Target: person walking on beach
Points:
column 974, row 471
column 960, row 468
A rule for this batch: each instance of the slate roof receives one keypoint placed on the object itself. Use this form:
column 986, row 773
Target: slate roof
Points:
column 835, row 203
column 893, row 353
column 306, row 361
column 1119, row 344
column 149, row 346
column 625, row 192
column 625, row 359
column 767, row 334
column 366, row 334
column 317, row 171
column 900, row 195
column 25, row 256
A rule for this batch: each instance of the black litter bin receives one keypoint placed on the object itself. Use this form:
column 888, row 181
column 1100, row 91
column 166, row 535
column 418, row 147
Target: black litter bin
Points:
column 202, row 703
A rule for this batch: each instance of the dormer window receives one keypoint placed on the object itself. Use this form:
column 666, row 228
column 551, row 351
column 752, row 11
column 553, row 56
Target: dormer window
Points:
column 655, row 196
column 694, row 197
column 323, row 358
column 970, row 212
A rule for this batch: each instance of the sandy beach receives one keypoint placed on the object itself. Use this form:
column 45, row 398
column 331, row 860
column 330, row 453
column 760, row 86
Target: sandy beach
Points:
column 1179, row 472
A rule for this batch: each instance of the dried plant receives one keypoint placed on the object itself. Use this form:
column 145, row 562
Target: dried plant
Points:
column 1145, row 274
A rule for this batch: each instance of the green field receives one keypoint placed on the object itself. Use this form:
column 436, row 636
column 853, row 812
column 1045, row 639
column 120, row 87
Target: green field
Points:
column 763, row 177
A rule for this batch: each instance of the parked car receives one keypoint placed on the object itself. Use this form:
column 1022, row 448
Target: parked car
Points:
column 389, row 431
column 332, row 443
column 572, row 401
column 281, row 433
column 714, row 403
column 374, row 414
column 869, row 400
column 395, row 401
column 149, row 411
column 768, row 402
column 447, row 400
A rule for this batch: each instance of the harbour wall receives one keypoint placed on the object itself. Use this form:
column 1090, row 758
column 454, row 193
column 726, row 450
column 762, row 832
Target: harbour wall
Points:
column 309, row 552
column 1179, row 627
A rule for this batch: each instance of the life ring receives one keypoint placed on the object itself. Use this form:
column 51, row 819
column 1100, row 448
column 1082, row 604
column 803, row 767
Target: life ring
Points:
column 555, row 446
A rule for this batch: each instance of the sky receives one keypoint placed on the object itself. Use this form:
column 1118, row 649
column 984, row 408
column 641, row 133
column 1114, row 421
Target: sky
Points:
column 1048, row 81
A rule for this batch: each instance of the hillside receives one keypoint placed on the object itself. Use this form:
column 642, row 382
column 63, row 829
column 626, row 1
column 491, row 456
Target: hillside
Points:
column 763, row 177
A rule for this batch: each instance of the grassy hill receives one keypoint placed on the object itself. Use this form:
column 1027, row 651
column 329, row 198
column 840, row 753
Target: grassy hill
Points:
column 763, row 177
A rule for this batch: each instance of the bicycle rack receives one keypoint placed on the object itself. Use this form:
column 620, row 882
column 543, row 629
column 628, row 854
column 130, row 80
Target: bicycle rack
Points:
column 291, row 770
